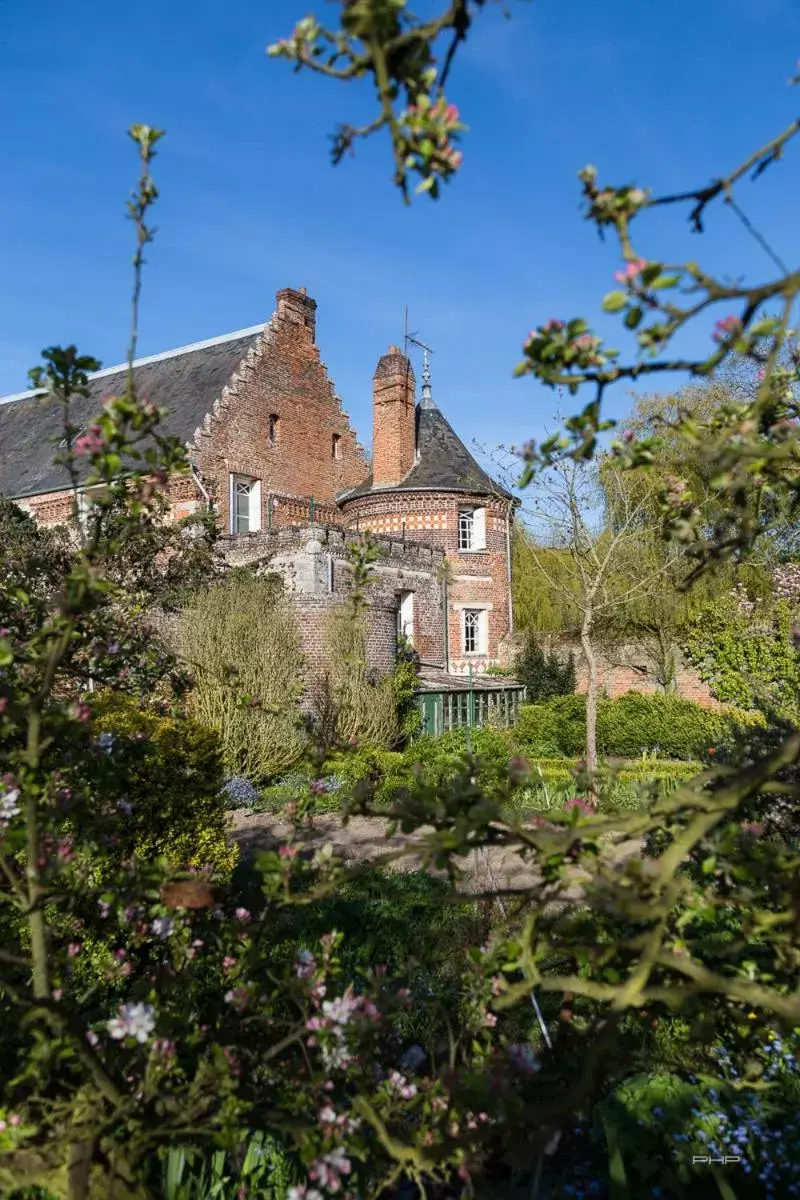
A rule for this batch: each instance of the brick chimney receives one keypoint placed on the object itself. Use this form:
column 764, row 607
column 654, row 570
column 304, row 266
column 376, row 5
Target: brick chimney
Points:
column 297, row 307
column 393, row 419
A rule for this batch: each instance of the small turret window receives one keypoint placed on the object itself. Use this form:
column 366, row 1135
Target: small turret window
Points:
column 273, row 429
column 472, row 529
column 336, row 446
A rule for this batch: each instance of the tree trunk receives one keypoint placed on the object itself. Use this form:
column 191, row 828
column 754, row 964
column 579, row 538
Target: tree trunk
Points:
column 591, row 700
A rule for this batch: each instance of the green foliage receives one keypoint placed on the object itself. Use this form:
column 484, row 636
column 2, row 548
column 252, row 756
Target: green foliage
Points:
column 539, row 607
column 168, row 775
column 257, row 1167
column 669, row 726
column 405, row 681
column 745, row 651
column 241, row 640
column 552, row 783
column 157, row 561
column 554, row 729
column 352, row 703
column 543, row 672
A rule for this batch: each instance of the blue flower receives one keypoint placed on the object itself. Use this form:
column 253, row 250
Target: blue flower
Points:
column 240, row 792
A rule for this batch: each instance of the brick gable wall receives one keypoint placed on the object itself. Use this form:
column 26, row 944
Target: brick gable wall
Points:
column 282, row 377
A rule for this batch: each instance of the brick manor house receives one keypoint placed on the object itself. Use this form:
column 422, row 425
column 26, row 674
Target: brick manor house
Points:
column 272, row 449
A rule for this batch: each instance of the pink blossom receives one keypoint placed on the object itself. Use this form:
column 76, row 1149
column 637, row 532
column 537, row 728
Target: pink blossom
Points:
column 491, row 1020
column 57, row 994
column 82, row 711
column 243, row 915
column 728, row 326
column 580, row 804
column 74, row 949
column 90, row 442
column 632, row 269
column 287, row 851
column 228, row 962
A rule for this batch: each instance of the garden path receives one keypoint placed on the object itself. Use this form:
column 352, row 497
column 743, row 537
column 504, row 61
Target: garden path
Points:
column 364, row 839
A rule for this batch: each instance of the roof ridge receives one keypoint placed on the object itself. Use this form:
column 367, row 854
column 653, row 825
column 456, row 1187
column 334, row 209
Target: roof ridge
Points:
column 152, row 358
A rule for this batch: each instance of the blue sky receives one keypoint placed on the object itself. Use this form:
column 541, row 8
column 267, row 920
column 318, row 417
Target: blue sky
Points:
column 666, row 95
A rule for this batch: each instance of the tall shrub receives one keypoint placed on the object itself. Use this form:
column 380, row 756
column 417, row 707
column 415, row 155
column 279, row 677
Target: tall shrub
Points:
column 241, row 640
column 543, row 672
column 350, row 702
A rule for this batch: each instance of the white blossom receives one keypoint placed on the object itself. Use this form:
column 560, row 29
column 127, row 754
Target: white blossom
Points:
column 162, row 927
column 134, row 1020
column 9, row 806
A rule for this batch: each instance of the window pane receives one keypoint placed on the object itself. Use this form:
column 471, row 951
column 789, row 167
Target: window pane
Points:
column 242, row 506
column 472, row 619
column 466, row 522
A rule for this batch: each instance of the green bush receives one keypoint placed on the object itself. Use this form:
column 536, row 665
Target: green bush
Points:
column 555, row 728
column 169, row 774
column 543, row 672
column 631, row 725
column 241, row 640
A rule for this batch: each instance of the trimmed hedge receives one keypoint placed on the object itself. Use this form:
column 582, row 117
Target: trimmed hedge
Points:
column 669, row 726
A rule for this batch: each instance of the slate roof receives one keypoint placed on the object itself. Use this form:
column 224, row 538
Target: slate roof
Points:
column 443, row 463
column 186, row 381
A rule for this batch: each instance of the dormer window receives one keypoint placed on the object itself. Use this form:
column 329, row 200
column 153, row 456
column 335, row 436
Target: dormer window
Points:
column 336, row 446
column 472, row 529
column 273, row 429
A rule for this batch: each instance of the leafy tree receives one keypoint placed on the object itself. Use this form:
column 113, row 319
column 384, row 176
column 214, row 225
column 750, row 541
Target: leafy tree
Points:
column 604, row 557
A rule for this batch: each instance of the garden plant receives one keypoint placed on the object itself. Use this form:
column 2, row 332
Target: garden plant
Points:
column 159, row 1012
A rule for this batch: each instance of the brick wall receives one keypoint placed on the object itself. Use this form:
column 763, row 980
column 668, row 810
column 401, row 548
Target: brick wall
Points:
column 623, row 667
column 479, row 577
column 51, row 508
column 277, row 418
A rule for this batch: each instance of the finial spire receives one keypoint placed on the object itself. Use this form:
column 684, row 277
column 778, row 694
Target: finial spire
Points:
column 426, row 399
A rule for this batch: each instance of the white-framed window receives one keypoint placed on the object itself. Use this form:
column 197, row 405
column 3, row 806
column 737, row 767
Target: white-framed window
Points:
column 475, row 630
column 472, row 529
column 405, row 616
column 245, row 504
column 86, row 503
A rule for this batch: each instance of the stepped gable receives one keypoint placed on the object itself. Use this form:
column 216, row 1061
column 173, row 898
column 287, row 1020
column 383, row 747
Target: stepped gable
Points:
column 186, row 381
